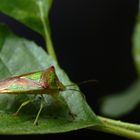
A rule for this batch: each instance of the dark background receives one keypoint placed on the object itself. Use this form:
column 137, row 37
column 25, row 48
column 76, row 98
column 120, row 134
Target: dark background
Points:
column 92, row 39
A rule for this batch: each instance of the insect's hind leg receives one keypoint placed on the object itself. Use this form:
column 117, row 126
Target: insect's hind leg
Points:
column 39, row 111
column 22, row 105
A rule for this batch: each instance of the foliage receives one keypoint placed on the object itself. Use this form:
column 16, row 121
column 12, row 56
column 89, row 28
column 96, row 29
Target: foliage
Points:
column 122, row 103
column 19, row 55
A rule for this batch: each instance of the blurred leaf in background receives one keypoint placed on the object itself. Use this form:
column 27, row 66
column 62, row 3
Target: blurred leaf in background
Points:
column 136, row 44
column 122, row 103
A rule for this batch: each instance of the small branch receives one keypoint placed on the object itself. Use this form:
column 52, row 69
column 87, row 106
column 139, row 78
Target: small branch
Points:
column 128, row 130
column 118, row 131
column 48, row 40
column 130, row 126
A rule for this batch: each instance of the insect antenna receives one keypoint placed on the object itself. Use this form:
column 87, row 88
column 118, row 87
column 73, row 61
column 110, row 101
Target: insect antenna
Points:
column 81, row 83
column 86, row 82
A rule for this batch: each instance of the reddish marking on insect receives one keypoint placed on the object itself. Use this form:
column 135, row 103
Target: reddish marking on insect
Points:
column 44, row 85
column 52, row 68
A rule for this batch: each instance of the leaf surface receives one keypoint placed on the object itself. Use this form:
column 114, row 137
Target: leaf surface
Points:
column 18, row 56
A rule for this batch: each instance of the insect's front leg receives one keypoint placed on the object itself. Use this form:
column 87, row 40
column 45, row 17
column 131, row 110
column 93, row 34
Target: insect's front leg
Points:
column 42, row 103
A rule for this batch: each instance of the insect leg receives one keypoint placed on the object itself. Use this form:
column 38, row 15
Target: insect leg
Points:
column 22, row 105
column 40, row 109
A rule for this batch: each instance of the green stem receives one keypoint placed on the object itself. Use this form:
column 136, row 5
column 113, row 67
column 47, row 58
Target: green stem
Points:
column 128, row 130
column 118, row 131
column 48, row 40
column 130, row 126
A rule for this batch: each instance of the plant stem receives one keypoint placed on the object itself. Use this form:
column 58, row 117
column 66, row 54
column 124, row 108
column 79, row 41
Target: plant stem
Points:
column 130, row 126
column 47, row 35
column 128, row 130
column 118, row 131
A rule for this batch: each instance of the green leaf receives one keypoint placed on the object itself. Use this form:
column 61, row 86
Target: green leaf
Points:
column 136, row 44
column 18, row 56
column 34, row 14
column 28, row 12
column 122, row 103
